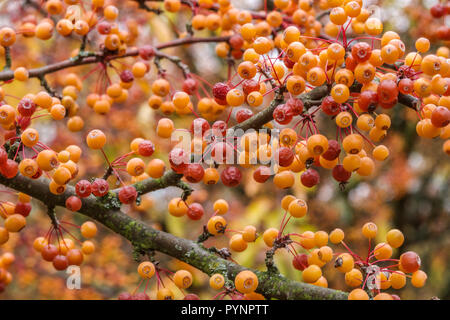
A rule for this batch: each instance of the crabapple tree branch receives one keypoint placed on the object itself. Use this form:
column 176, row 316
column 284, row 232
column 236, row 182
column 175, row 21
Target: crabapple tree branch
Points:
column 95, row 57
column 144, row 238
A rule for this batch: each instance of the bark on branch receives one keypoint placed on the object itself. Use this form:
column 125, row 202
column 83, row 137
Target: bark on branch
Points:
column 146, row 238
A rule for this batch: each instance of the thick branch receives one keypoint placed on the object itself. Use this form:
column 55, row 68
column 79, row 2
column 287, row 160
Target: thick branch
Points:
column 146, row 238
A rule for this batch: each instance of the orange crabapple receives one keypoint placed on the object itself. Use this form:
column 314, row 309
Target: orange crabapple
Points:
column 246, row 281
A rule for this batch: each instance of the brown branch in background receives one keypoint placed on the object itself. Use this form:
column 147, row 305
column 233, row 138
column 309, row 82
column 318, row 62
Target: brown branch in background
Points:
column 144, row 6
column 94, row 57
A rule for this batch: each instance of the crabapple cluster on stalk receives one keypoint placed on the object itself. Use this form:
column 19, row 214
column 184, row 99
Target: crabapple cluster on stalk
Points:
column 368, row 277
column 287, row 69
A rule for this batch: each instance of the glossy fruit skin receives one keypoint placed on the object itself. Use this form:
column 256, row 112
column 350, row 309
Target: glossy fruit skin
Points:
column 99, row 187
column 246, row 281
column 300, row 262
column 395, row 238
column 146, row 148
column 26, row 107
column 336, row 236
column 146, row 269
column 368, row 101
column 440, row 117
column 405, row 86
column 220, row 91
column 310, row 178
column 49, row 252
column 194, row 172
column 249, row 86
column 231, row 176
column 191, row 296
column 146, row 52
column 284, row 156
column 216, row 225
column 358, row 294
column 243, row 115
column 330, row 107
column 387, row 91
column 126, row 76
column 312, row 273
column 283, row 114
column 296, row 106
column 219, row 128
column 10, row 169
column 88, row 229
column 237, row 243
column 83, row 188
column 262, row 174
column 190, row 85
column 333, row 151
column 195, row 211
column 361, row 51
column 438, row 11
column 23, row 208
column 128, row 194
column 410, row 261
column 344, row 262
column 73, row 203
column 3, row 156
column 60, row 262
column 340, row 174
column 75, row 257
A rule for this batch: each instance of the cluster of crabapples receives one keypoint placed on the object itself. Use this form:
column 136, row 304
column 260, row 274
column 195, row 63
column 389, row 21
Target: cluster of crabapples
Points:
column 64, row 252
column 440, row 11
column 14, row 215
column 362, row 76
column 182, row 279
column 378, row 271
column 245, row 284
column 311, row 251
column 68, row 21
column 285, row 57
column 6, row 260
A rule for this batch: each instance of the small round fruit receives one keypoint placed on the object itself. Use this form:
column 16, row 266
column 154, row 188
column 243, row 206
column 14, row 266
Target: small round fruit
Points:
column 60, row 262
column 246, row 281
column 298, row 208
column 73, row 203
column 419, row 278
column 146, row 269
column 358, row 294
column 216, row 225
column 311, row 274
column 15, row 223
column 269, row 236
column 217, row 281
column 88, row 229
column 369, row 230
column 395, row 238
column 344, row 263
column 410, row 262
column 96, row 139
column 182, row 279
